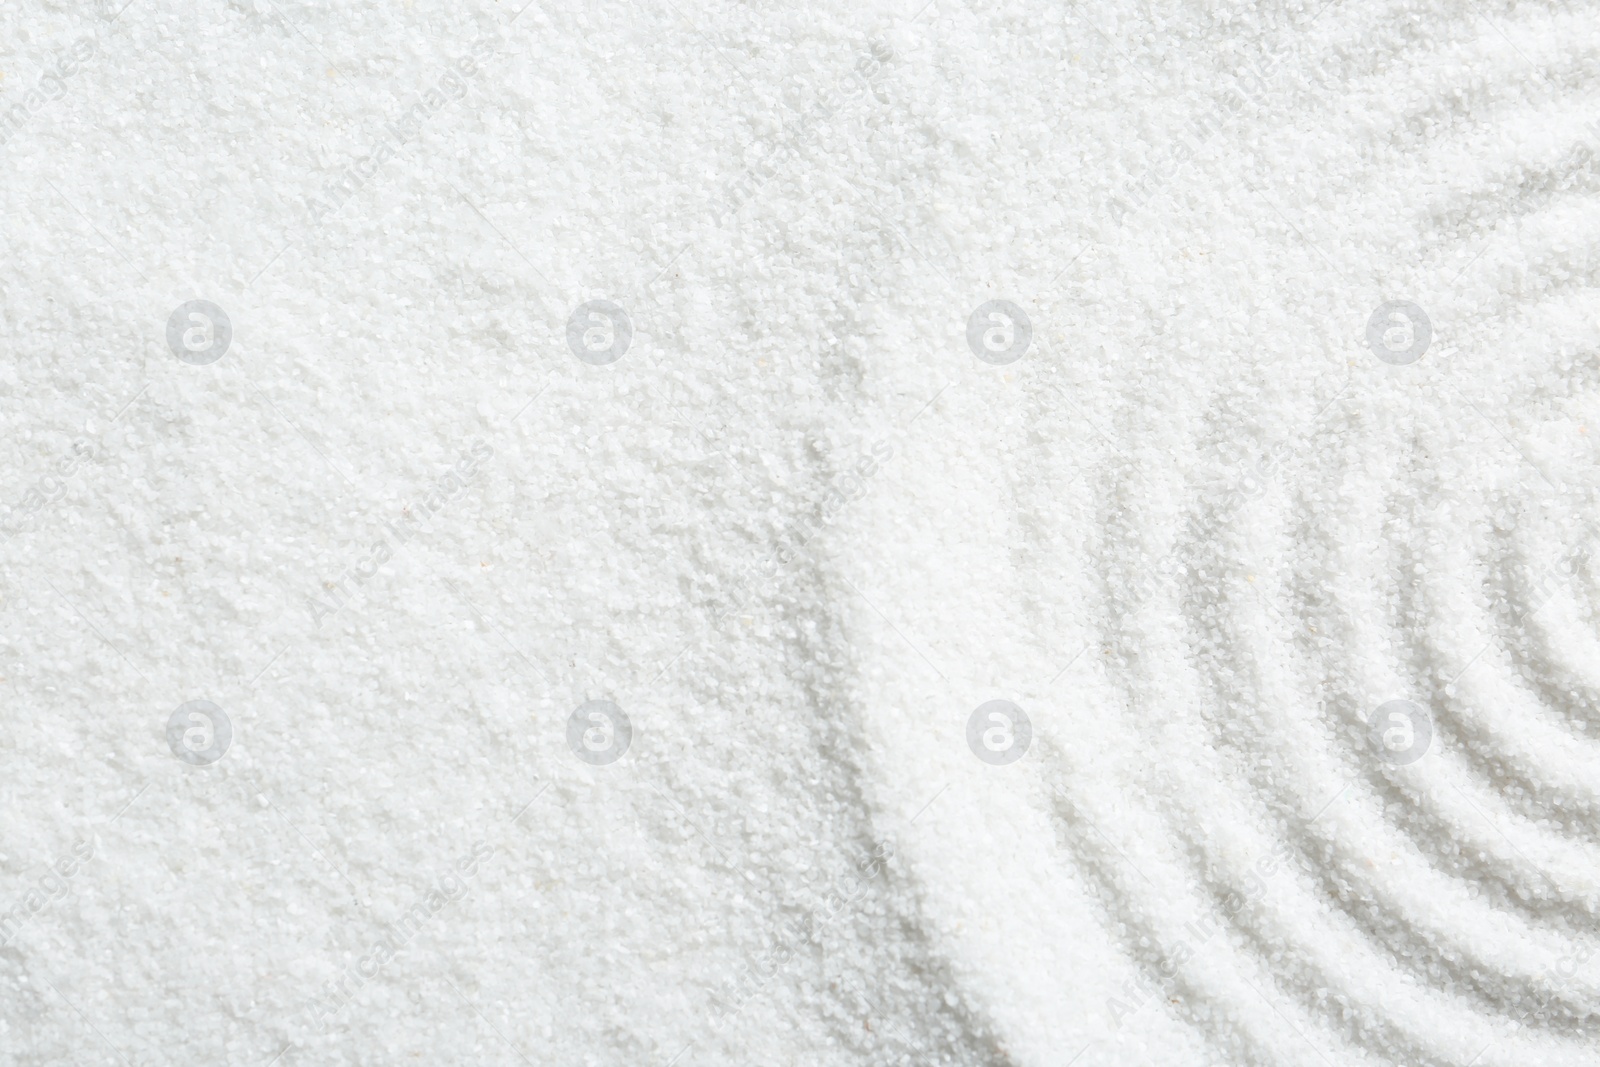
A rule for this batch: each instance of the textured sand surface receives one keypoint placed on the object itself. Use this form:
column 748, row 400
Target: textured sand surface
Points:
column 513, row 524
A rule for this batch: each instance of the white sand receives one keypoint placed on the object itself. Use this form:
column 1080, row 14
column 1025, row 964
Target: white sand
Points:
column 545, row 623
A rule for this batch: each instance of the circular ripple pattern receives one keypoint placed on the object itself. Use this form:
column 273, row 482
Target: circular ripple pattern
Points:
column 1268, row 545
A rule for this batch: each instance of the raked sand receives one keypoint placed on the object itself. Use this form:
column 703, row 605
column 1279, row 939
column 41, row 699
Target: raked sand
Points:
column 709, row 533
